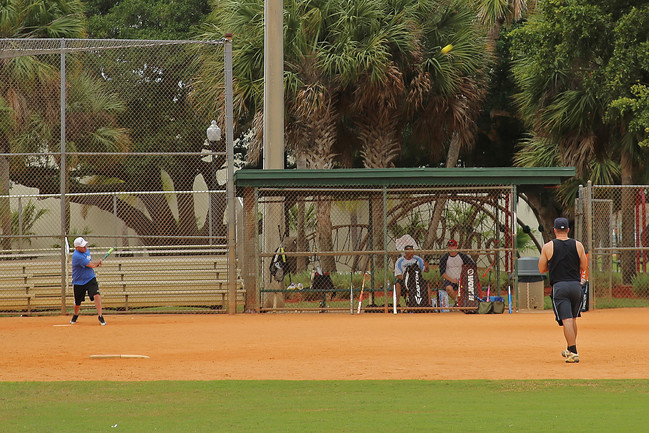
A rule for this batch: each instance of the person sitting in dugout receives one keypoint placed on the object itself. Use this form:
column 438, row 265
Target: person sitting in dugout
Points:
column 408, row 258
column 450, row 268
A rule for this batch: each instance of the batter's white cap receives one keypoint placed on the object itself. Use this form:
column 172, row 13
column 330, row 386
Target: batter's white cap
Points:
column 80, row 242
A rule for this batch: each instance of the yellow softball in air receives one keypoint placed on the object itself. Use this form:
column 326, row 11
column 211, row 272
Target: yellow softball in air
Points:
column 447, row 48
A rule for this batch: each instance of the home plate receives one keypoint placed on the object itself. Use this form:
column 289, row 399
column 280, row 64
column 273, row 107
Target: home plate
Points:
column 62, row 325
column 119, row 356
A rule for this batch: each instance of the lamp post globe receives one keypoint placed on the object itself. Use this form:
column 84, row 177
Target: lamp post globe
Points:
column 213, row 136
column 213, row 132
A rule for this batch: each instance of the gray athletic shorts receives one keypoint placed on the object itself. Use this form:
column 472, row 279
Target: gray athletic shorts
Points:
column 566, row 300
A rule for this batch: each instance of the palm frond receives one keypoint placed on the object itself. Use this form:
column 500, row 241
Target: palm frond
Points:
column 537, row 151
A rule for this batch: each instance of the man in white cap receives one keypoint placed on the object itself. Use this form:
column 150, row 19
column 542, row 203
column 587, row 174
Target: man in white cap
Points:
column 565, row 259
column 408, row 258
column 84, row 279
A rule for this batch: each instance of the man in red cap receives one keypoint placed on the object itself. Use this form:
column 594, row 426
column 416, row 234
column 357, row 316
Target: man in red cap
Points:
column 450, row 267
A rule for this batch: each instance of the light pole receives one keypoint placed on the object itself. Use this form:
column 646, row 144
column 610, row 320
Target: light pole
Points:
column 213, row 136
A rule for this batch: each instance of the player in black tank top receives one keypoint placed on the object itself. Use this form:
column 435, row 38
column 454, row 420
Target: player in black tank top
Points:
column 565, row 259
column 564, row 264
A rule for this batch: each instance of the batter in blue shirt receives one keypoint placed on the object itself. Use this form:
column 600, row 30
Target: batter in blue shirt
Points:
column 84, row 279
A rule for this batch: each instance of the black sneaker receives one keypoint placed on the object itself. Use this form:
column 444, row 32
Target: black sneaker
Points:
column 102, row 322
column 74, row 319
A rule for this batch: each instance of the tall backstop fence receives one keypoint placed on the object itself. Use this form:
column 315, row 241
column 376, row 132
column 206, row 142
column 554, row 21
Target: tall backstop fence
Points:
column 107, row 139
column 612, row 223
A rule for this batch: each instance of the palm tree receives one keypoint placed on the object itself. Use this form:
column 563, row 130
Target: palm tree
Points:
column 447, row 89
column 356, row 73
column 495, row 13
column 22, row 79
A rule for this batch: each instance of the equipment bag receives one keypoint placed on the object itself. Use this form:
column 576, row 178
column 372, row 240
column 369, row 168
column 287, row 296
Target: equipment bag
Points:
column 417, row 287
column 469, row 288
column 498, row 307
column 278, row 265
column 485, row 307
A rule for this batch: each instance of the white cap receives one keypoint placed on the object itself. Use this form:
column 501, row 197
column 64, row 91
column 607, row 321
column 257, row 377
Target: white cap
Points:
column 80, row 242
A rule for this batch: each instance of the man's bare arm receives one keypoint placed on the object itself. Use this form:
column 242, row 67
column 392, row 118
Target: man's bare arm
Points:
column 583, row 259
column 546, row 254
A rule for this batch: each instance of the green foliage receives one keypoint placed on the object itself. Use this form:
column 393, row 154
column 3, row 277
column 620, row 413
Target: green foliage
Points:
column 640, row 283
column 581, row 67
column 343, row 280
column 635, row 107
column 600, row 279
column 42, row 19
column 607, row 303
column 73, row 234
column 146, row 19
column 524, row 240
column 309, row 217
column 464, row 224
column 29, row 217
column 414, row 227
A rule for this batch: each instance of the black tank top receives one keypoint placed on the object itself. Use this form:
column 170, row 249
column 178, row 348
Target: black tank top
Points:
column 564, row 264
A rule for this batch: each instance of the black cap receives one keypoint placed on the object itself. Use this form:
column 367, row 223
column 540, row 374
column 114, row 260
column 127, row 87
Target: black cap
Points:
column 561, row 223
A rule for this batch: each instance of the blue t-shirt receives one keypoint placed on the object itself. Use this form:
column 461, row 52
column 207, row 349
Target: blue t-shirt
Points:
column 81, row 273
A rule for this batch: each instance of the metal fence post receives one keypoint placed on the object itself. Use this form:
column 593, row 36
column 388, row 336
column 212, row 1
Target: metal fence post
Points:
column 588, row 220
column 385, row 248
column 229, row 130
column 64, row 228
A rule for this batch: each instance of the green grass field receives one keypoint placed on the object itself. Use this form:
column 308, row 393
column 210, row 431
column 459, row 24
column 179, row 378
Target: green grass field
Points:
column 326, row 406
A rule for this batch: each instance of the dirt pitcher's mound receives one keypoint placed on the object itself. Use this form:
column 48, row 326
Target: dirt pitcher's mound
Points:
column 612, row 343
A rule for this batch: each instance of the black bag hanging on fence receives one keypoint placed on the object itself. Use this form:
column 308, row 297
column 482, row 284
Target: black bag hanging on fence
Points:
column 278, row 265
column 417, row 295
column 322, row 282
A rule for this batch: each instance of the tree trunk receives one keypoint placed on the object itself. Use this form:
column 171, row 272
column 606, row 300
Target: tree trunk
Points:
column 301, row 262
column 545, row 213
column 325, row 239
column 628, row 221
column 451, row 161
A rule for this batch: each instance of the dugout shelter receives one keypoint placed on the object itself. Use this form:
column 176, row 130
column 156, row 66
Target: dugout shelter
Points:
column 344, row 223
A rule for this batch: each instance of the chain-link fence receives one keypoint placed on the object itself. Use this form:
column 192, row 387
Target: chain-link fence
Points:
column 612, row 223
column 106, row 139
column 327, row 248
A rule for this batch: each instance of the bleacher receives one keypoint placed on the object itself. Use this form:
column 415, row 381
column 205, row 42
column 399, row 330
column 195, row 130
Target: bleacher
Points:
column 125, row 283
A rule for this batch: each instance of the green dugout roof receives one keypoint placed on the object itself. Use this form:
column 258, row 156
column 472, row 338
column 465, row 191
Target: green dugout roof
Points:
column 404, row 177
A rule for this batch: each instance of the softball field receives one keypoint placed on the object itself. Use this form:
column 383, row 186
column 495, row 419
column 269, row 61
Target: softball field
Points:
column 613, row 344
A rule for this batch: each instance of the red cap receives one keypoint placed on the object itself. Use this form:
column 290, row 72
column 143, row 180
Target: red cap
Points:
column 452, row 243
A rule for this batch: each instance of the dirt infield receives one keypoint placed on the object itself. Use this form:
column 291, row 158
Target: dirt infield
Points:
column 613, row 344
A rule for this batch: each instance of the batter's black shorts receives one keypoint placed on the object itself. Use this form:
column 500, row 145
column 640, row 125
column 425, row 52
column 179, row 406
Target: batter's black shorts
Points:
column 566, row 300
column 80, row 291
